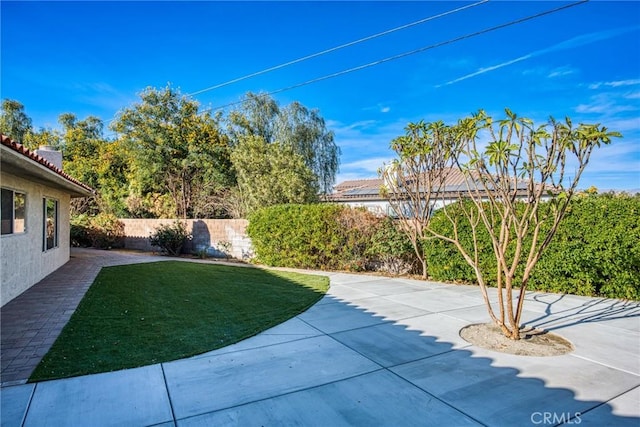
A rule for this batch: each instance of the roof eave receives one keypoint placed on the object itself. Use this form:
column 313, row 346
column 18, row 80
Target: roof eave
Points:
column 18, row 164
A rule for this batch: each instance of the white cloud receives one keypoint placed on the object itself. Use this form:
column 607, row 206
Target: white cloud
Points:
column 603, row 107
column 362, row 169
column 606, row 103
column 617, row 83
column 368, row 165
column 624, row 125
column 364, row 146
column 561, row 72
column 572, row 43
column 362, row 124
column 101, row 95
column 379, row 107
column 486, row 70
column 370, row 135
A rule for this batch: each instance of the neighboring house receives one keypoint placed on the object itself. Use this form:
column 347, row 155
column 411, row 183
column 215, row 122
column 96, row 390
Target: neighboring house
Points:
column 366, row 193
column 35, row 210
column 363, row 193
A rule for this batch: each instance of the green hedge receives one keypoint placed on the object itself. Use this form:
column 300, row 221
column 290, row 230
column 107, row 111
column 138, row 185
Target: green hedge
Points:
column 595, row 252
column 302, row 236
column 324, row 236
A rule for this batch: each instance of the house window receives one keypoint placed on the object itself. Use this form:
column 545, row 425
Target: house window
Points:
column 50, row 214
column 12, row 211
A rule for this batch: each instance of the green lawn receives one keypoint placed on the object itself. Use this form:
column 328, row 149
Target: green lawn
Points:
column 142, row 314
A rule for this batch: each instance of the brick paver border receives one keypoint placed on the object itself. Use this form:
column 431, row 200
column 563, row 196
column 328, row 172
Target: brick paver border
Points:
column 31, row 322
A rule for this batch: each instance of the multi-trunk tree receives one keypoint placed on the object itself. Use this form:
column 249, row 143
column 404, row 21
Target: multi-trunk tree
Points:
column 417, row 178
column 518, row 181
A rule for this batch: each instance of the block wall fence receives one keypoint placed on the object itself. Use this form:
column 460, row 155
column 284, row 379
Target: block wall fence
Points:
column 215, row 236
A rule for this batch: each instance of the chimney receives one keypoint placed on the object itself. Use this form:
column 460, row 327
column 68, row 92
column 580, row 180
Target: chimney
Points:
column 50, row 154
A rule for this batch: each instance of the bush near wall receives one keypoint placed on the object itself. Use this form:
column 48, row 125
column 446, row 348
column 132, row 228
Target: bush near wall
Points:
column 321, row 236
column 103, row 231
column 170, row 238
column 595, row 252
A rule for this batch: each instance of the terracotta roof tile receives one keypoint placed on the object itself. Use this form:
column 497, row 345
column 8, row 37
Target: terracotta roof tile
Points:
column 19, row 148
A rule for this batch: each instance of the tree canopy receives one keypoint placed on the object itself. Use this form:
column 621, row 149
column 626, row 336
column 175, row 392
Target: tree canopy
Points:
column 304, row 131
column 271, row 174
column 175, row 150
column 171, row 158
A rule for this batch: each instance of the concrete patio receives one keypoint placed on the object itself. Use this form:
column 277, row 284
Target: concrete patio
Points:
column 374, row 351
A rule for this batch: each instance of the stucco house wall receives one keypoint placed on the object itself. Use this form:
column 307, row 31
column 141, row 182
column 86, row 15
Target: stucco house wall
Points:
column 25, row 259
column 24, row 262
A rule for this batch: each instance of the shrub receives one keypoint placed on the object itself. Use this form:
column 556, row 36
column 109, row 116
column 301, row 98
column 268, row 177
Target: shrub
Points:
column 322, row 236
column 103, row 231
column 106, row 231
column 80, row 231
column 224, row 247
column 595, row 252
column 391, row 249
column 294, row 235
column 170, row 238
column 357, row 228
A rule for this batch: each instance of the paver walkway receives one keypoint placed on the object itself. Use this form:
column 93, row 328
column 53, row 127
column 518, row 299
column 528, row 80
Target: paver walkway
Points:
column 30, row 323
column 373, row 351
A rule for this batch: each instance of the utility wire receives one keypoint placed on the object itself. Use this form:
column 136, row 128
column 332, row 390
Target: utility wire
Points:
column 342, row 46
column 402, row 55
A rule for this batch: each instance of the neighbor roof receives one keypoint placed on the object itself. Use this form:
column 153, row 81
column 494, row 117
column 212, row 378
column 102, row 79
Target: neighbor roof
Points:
column 369, row 189
column 17, row 159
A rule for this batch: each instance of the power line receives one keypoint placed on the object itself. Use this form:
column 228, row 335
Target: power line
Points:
column 342, row 46
column 413, row 52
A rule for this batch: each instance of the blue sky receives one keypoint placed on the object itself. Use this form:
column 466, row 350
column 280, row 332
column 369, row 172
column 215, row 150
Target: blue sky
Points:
column 93, row 58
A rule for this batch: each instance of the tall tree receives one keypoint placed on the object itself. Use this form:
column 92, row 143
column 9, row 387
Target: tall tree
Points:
column 270, row 174
column 294, row 126
column 44, row 136
column 14, row 122
column 517, row 191
column 87, row 157
column 176, row 150
column 82, row 142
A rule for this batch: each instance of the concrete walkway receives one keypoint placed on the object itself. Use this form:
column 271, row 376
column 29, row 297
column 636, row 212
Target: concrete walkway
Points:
column 374, row 351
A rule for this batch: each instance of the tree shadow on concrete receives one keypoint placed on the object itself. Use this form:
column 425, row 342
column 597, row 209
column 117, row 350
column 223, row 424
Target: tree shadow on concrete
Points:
column 419, row 372
column 590, row 311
